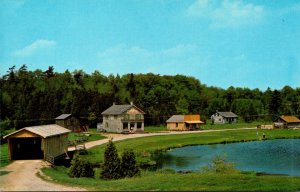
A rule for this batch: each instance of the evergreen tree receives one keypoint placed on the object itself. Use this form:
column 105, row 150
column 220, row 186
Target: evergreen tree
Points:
column 112, row 166
column 80, row 168
column 128, row 165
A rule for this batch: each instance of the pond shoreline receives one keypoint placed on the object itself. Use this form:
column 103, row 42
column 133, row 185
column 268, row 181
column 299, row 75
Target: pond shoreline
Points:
column 264, row 157
column 226, row 142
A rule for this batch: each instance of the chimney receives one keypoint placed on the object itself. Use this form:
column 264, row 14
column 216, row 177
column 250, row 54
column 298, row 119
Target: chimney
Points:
column 131, row 102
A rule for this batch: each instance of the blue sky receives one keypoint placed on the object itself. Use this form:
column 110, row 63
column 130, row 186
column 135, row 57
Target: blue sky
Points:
column 242, row 43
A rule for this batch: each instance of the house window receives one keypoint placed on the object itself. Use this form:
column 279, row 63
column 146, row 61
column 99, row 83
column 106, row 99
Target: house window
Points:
column 137, row 116
column 106, row 125
column 115, row 116
column 139, row 125
column 125, row 125
column 176, row 125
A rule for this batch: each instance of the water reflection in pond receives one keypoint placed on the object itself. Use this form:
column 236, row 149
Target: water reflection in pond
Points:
column 274, row 156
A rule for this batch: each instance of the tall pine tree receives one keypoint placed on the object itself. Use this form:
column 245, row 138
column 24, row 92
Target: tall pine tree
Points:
column 112, row 166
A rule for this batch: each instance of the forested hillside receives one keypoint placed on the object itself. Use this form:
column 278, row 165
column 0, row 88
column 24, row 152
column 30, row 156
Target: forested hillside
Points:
column 34, row 97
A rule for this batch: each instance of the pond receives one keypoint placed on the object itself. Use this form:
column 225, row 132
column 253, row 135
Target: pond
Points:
column 271, row 156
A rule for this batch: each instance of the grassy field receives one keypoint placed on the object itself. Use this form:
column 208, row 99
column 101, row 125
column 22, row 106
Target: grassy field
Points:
column 92, row 136
column 155, row 128
column 4, row 159
column 233, row 126
column 166, row 180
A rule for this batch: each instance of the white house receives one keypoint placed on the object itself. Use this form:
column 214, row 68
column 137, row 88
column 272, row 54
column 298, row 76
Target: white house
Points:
column 123, row 118
column 224, row 117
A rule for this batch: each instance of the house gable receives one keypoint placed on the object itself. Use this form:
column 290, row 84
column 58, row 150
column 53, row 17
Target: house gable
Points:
column 23, row 133
column 134, row 110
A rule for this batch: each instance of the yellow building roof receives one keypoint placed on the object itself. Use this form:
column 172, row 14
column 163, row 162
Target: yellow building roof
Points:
column 194, row 122
column 289, row 119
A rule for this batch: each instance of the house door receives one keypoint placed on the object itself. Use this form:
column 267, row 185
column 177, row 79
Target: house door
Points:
column 132, row 126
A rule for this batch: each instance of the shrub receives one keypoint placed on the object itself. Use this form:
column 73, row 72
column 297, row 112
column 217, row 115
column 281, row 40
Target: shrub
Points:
column 81, row 168
column 112, row 166
column 219, row 165
column 128, row 165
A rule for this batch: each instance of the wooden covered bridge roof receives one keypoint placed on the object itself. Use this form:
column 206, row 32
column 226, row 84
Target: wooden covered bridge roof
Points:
column 43, row 130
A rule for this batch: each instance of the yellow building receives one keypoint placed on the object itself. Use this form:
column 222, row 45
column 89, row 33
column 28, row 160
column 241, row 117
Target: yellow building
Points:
column 184, row 122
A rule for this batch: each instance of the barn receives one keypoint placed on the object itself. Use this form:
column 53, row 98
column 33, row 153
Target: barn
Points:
column 38, row 142
column 68, row 121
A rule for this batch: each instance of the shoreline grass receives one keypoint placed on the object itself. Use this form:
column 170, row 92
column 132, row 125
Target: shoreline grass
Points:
column 161, row 180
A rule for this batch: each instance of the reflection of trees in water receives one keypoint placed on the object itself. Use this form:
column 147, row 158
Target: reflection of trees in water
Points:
column 163, row 158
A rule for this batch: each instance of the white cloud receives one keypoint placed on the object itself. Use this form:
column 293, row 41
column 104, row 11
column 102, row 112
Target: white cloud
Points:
column 226, row 13
column 34, row 47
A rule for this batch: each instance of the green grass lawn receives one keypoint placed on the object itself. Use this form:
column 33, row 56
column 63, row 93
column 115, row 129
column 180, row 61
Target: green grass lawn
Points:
column 155, row 128
column 233, row 126
column 165, row 180
column 4, row 159
column 92, row 136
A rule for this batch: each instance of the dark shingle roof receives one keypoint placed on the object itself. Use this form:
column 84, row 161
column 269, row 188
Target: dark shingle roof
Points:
column 176, row 119
column 63, row 116
column 44, row 130
column 119, row 109
column 227, row 114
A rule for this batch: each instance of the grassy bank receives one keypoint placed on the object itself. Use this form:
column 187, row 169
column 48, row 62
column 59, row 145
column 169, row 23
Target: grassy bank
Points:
column 166, row 180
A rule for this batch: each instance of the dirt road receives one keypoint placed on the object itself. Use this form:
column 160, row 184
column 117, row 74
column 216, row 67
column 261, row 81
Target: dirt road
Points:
column 21, row 175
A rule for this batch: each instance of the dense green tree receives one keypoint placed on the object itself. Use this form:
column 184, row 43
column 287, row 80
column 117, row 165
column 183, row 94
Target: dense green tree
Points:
column 111, row 168
column 80, row 168
column 128, row 165
column 275, row 103
column 33, row 96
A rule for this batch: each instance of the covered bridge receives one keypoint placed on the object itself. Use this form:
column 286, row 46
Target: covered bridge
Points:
column 38, row 142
